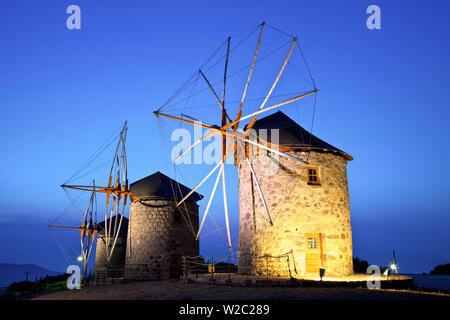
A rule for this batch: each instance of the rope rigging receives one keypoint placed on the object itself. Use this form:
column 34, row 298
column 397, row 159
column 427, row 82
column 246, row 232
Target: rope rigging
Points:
column 231, row 137
column 117, row 190
column 117, row 187
column 228, row 77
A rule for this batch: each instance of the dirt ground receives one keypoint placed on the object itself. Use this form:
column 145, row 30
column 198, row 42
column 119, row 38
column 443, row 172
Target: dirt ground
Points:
column 178, row 290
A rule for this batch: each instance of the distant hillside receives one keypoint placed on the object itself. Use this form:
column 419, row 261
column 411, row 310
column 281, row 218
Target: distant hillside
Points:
column 10, row 272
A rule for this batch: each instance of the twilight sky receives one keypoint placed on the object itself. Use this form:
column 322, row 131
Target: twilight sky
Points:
column 383, row 99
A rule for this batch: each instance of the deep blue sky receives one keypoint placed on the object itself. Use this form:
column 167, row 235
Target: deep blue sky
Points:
column 383, row 99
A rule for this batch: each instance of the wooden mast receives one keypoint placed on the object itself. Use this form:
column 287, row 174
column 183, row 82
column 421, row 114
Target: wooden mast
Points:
column 120, row 192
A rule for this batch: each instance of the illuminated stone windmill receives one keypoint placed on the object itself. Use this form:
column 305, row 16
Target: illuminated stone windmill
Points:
column 308, row 204
column 234, row 141
column 297, row 207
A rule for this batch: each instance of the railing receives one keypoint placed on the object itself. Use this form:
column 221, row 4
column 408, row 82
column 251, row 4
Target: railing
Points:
column 267, row 265
column 194, row 266
column 106, row 275
column 143, row 272
column 247, row 265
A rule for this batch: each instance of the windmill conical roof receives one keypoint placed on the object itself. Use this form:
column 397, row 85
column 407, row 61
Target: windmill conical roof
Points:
column 292, row 135
column 160, row 186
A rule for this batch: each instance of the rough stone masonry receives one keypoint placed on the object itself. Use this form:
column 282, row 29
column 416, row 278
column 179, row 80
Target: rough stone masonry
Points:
column 300, row 211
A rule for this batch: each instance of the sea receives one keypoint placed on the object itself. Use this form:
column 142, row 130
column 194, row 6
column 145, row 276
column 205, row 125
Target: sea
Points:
column 431, row 281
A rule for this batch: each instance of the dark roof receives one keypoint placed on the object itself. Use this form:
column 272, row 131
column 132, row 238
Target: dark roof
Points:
column 160, row 186
column 292, row 135
column 123, row 227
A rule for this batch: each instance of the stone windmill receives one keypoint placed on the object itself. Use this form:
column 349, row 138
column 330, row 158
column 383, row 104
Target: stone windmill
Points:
column 308, row 203
column 156, row 235
column 320, row 220
column 159, row 232
column 147, row 245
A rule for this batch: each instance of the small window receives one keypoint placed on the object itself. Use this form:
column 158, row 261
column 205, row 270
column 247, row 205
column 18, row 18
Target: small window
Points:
column 312, row 243
column 313, row 175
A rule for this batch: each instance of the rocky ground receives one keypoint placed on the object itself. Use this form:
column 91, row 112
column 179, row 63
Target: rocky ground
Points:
column 178, row 290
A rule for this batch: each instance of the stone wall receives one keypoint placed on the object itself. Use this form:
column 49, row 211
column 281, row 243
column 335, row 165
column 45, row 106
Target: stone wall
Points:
column 296, row 208
column 117, row 262
column 156, row 231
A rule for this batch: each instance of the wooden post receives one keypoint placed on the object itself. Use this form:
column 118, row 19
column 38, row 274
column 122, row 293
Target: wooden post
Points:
column 289, row 267
column 184, row 267
column 246, row 261
column 229, row 267
column 196, row 267
column 212, row 267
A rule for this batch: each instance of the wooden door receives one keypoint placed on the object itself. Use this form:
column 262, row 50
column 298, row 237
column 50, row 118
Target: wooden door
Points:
column 313, row 253
column 175, row 267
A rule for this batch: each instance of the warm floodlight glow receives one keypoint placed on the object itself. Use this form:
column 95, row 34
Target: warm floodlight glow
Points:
column 394, row 267
column 80, row 258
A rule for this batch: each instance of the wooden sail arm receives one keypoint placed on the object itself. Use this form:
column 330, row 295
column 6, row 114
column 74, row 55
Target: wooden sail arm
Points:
column 252, row 122
column 73, row 228
column 230, row 151
column 219, row 130
column 117, row 149
column 117, row 189
column 272, row 107
column 194, row 123
column 215, row 94
column 224, row 113
column 213, row 129
column 120, row 191
column 209, row 135
column 227, row 222
column 223, row 130
column 242, row 136
column 261, row 195
column 209, row 204
column 239, row 113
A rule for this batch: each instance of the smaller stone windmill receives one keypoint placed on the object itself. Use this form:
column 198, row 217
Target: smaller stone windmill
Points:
column 147, row 245
column 159, row 232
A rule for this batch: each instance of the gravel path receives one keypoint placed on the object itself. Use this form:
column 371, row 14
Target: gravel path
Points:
column 178, row 290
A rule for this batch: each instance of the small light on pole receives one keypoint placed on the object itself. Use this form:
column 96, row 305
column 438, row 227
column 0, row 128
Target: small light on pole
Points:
column 80, row 258
column 394, row 267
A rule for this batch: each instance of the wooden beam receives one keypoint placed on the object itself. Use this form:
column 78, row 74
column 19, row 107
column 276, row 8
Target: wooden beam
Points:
column 194, row 144
column 225, row 77
column 263, row 200
column 270, row 108
column 209, row 203
column 201, row 182
column 224, row 114
column 71, row 228
column 286, row 155
column 252, row 122
column 112, row 190
column 215, row 95
column 226, row 207
column 194, row 123
column 222, row 130
column 242, row 136
column 239, row 113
